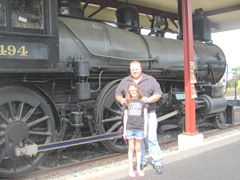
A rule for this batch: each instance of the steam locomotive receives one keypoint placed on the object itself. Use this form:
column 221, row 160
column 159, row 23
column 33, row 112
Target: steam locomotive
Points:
column 59, row 71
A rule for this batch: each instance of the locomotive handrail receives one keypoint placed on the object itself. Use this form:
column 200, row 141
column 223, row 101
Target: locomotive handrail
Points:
column 99, row 82
column 212, row 74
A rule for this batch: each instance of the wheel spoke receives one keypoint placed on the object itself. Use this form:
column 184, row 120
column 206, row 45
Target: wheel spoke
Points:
column 113, row 111
column 118, row 105
column 114, row 141
column 2, row 134
column 11, row 111
column 40, row 133
column 6, row 120
column 29, row 160
column 114, row 127
column 2, row 155
column 30, row 112
column 31, row 141
column 37, row 121
column 3, row 126
column 117, row 118
column 14, row 165
column 2, row 142
column 20, row 110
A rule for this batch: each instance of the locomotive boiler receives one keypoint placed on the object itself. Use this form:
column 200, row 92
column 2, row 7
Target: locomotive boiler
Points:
column 59, row 71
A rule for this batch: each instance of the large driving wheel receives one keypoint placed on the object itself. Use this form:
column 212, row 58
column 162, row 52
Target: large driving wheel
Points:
column 25, row 119
column 108, row 115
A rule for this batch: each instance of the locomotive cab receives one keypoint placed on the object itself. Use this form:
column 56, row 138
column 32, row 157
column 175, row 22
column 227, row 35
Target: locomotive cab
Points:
column 29, row 34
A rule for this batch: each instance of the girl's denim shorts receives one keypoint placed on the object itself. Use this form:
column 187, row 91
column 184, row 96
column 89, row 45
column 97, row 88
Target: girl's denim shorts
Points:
column 134, row 134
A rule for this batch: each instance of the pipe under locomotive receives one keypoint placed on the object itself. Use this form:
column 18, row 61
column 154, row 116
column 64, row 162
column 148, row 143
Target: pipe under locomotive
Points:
column 62, row 87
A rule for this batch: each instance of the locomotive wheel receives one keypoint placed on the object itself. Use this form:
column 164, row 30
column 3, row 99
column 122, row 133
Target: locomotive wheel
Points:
column 25, row 118
column 219, row 121
column 108, row 114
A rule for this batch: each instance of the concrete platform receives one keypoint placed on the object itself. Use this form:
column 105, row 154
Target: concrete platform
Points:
column 217, row 157
column 189, row 141
column 206, row 161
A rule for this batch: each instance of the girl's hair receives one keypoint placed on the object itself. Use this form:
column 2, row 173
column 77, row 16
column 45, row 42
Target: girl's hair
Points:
column 128, row 95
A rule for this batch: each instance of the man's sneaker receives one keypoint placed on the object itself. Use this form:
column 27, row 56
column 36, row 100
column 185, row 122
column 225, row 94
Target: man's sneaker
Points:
column 158, row 168
column 143, row 166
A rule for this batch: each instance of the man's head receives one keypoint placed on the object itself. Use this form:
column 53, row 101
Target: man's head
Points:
column 136, row 70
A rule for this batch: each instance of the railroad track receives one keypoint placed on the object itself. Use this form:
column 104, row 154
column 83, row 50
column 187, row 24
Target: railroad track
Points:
column 80, row 169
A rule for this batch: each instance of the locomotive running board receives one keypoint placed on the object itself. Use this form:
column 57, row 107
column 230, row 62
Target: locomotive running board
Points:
column 33, row 149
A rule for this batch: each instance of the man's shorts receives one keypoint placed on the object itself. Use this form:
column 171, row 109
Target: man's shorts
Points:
column 134, row 134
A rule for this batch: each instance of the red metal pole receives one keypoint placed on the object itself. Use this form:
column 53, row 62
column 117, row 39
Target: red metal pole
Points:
column 190, row 117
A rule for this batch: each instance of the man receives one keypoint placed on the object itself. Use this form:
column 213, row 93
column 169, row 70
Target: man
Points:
column 151, row 94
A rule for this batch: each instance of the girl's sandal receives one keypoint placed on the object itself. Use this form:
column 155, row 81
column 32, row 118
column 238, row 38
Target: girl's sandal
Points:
column 131, row 174
column 141, row 173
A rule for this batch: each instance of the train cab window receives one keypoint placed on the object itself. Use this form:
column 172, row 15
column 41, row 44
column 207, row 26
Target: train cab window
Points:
column 2, row 13
column 27, row 14
column 30, row 17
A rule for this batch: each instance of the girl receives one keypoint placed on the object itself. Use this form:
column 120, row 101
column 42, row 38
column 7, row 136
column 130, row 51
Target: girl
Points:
column 135, row 125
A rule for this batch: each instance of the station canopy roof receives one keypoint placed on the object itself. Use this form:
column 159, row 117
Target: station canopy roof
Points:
column 223, row 14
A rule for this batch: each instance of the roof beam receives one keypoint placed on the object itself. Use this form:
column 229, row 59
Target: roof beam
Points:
column 141, row 9
column 86, row 4
column 222, row 11
column 99, row 9
column 150, row 11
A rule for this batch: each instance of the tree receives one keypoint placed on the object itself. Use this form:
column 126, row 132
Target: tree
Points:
column 236, row 69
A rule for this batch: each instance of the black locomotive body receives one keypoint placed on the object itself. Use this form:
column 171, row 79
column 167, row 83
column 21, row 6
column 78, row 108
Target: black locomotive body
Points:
column 58, row 76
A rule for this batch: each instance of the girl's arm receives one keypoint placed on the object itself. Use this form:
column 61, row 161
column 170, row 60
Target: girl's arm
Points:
column 145, row 111
column 125, row 117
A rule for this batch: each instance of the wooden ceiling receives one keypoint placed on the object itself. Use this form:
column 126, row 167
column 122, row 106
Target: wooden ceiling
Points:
column 223, row 14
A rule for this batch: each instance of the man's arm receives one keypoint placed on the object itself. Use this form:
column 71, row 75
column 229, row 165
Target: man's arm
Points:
column 157, row 93
column 152, row 99
column 119, row 93
column 121, row 100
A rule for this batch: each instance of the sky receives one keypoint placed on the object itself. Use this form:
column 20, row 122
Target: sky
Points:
column 229, row 42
